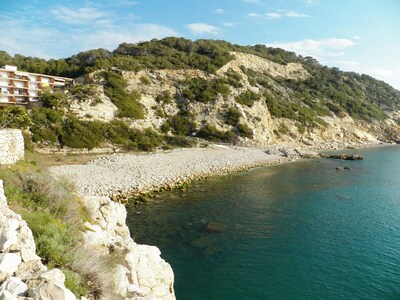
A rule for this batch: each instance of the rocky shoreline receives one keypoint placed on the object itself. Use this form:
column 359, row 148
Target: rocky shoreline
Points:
column 125, row 175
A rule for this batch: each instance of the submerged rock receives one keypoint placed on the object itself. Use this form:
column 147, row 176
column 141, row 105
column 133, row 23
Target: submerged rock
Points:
column 215, row 227
column 203, row 242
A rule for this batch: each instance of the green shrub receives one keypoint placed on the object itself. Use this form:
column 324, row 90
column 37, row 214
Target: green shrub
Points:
column 145, row 80
column 247, row 98
column 146, row 140
column 283, row 129
column 54, row 99
column 244, row 130
column 14, row 117
column 164, row 97
column 75, row 282
column 202, row 90
column 117, row 132
column 128, row 103
column 300, row 128
column 232, row 116
column 233, row 79
column 84, row 92
column 180, row 141
column 82, row 134
column 46, row 125
column 211, row 133
column 180, row 124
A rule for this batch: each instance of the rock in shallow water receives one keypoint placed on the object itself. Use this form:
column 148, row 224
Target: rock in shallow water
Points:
column 215, row 227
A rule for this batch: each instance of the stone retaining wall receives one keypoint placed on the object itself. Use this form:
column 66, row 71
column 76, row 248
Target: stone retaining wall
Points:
column 11, row 146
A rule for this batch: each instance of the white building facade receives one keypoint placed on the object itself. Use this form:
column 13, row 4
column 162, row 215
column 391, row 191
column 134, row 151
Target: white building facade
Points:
column 23, row 88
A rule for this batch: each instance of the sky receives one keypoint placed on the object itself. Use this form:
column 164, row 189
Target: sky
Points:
column 353, row 35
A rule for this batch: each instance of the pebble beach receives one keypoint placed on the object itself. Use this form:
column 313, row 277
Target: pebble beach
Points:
column 129, row 174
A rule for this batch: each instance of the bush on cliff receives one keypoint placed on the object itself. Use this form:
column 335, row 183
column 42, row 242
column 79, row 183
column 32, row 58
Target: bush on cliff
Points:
column 54, row 215
column 128, row 103
column 205, row 91
column 247, row 98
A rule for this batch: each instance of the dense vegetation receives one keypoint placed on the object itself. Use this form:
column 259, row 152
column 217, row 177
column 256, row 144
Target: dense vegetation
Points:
column 325, row 92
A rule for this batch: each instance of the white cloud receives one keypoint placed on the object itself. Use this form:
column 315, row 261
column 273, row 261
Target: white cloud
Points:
column 126, row 3
column 228, row 24
column 36, row 38
column 278, row 14
column 273, row 15
column 311, row 2
column 317, row 48
column 110, row 38
column 253, row 15
column 219, row 11
column 202, row 28
column 77, row 16
column 292, row 14
column 258, row 2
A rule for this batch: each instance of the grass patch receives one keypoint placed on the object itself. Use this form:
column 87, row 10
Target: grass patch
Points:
column 56, row 218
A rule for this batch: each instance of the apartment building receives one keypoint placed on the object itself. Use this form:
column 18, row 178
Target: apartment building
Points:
column 24, row 88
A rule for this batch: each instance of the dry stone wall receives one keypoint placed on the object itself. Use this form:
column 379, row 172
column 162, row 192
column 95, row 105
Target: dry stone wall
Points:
column 11, row 146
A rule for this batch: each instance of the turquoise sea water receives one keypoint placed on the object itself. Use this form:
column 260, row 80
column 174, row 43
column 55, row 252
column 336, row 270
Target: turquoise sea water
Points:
column 297, row 231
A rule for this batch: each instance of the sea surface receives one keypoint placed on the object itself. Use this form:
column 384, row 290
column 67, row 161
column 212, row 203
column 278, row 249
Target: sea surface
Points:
column 301, row 230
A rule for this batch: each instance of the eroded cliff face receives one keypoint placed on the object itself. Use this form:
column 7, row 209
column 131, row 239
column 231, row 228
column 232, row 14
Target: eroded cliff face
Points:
column 340, row 130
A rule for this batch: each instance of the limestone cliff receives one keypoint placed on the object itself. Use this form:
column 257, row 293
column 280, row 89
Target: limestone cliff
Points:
column 294, row 117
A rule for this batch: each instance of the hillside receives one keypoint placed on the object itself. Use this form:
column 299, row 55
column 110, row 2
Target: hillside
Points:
column 163, row 93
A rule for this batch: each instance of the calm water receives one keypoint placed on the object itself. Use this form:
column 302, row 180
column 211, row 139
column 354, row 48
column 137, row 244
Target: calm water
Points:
column 295, row 231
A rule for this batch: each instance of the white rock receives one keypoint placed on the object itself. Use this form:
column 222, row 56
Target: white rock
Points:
column 9, row 263
column 15, row 286
column 53, row 276
column 51, row 291
column 8, row 233
column 28, row 255
column 6, row 295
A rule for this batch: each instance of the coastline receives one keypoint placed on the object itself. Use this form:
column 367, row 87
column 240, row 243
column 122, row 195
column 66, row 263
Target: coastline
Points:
column 107, row 180
column 125, row 176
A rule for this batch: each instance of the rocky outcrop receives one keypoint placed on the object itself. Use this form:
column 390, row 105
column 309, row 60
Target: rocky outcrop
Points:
column 289, row 71
column 142, row 273
column 22, row 274
column 11, row 146
column 97, row 107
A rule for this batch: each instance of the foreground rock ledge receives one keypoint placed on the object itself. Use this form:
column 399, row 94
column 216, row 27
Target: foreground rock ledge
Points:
column 143, row 274
column 22, row 274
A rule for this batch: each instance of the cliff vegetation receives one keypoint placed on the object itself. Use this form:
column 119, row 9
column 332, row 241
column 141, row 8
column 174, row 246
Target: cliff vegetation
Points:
column 163, row 93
